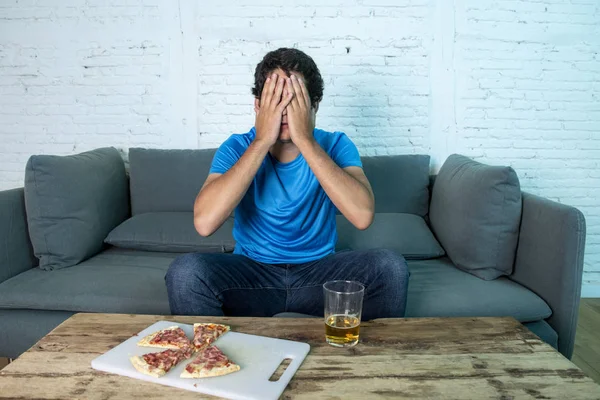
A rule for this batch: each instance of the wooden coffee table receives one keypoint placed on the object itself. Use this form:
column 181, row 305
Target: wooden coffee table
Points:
column 445, row 358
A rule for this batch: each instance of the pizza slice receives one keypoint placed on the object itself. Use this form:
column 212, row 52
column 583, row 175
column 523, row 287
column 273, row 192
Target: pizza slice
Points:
column 158, row 364
column 209, row 362
column 206, row 334
column 170, row 338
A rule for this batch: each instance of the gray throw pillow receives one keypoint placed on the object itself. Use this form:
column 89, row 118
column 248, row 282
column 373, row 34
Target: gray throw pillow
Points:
column 407, row 234
column 72, row 203
column 475, row 213
column 170, row 232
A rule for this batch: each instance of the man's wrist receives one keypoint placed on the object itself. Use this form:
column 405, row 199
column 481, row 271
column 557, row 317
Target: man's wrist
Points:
column 305, row 143
column 261, row 145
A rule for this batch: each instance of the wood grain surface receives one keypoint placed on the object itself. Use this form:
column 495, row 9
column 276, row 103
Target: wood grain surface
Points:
column 587, row 340
column 446, row 358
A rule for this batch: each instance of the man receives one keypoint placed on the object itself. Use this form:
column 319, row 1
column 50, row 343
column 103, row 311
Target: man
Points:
column 284, row 179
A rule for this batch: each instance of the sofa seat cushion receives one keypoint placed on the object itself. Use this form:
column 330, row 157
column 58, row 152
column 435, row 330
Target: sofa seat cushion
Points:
column 544, row 331
column 407, row 234
column 114, row 281
column 437, row 288
column 170, row 232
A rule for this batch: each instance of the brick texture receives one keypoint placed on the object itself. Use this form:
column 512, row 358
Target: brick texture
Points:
column 527, row 90
column 504, row 81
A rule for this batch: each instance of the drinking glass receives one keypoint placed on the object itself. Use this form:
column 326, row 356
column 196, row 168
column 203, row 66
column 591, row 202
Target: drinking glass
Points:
column 343, row 309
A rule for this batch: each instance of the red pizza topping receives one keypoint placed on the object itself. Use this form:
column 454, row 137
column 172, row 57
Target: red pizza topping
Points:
column 204, row 335
column 167, row 359
column 175, row 337
column 187, row 351
column 210, row 358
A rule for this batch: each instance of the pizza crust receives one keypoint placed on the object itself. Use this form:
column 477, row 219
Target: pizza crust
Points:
column 143, row 367
column 203, row 373
column 145, row 342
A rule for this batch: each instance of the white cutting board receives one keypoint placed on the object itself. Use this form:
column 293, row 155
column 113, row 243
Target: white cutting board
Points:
column 257, row 356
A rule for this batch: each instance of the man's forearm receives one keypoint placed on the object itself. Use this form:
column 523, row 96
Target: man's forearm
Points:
column 217, row 200
column 349, row 195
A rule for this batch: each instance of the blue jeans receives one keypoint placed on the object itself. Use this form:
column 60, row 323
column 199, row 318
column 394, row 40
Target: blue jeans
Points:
column 235, row 285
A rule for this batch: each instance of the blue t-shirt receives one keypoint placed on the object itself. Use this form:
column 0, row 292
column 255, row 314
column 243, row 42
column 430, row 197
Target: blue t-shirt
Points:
column 285, row 216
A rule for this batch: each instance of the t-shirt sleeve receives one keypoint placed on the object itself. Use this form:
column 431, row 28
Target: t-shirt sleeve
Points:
column 344, row 153
column 227, row 155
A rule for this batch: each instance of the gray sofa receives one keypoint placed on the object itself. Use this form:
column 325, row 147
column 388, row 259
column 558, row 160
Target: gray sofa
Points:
column 84, row 236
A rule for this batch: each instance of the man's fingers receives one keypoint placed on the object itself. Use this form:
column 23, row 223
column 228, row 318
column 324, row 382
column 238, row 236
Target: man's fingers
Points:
column 291, row 88
column 263, row 95
column 299, row 96
column 277, row 95
column 290, row 113
column 270, row 87
column 285, row 101
column 304, row 92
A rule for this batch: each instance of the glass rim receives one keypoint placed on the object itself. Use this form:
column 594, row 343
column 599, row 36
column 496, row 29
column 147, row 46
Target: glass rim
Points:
column 360, row 285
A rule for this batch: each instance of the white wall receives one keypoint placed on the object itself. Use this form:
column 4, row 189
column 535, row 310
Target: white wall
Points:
column 504, row 81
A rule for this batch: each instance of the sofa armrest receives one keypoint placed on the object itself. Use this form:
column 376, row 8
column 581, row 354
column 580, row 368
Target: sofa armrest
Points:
column 16, row 252
column 549, row 261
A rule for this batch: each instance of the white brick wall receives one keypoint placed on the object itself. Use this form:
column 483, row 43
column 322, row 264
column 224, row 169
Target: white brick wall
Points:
column 504, row 81
column 527, row 93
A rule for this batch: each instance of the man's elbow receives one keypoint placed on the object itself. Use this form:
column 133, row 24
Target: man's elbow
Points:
column 203, row 227
column 364, row 220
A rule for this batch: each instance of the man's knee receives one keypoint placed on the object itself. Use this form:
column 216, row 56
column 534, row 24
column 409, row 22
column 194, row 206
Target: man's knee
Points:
column 391, row 266
column 389, row 285
column 185, row 270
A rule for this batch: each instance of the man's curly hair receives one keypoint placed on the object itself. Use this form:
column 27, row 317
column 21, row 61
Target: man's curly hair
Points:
column 289, row 60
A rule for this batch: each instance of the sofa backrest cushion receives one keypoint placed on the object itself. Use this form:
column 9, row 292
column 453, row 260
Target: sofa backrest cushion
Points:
column 475, row 214
column 72, row 203
column 166, row 180
column 171, row 232
column 169, row 180
column 407, row 234
column 400, row 183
